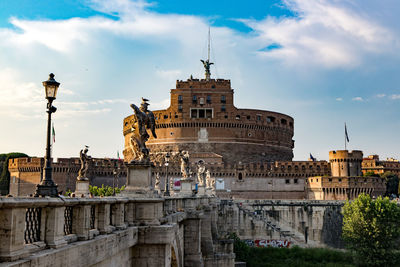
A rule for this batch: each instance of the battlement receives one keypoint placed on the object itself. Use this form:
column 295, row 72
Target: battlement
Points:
column 255, row 170
column 100, row 166
column 343, row 155
column 27, row 162
column 204, row 84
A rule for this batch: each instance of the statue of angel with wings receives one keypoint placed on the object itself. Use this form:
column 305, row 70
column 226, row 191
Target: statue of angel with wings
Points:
column 143, row 120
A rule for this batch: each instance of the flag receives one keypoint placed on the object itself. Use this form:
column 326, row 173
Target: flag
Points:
column 54, row 134
column 345, row 133
column 312, row 158
column 119, row 159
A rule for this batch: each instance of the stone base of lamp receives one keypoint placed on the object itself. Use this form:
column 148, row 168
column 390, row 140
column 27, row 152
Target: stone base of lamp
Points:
column 46, row 188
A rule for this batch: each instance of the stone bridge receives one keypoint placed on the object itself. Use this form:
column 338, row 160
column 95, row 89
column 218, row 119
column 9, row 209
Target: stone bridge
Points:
column 305, row 223
column 112, row 231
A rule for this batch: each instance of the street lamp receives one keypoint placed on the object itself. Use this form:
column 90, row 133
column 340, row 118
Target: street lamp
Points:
column 116, row 172
column 115, row 177
column 166, row 193
column 47, row 187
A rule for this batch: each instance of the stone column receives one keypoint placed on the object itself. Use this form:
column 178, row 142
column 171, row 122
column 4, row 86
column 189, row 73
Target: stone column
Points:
column 103, row 222
column 81, row 221
column 12, row 226
column 120, row 216
column 130, row 213
column 192, row 241
column 54, row 235
column 207, row 246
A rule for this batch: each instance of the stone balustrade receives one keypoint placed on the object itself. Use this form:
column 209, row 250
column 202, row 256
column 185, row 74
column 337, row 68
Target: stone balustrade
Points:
column 31, row 225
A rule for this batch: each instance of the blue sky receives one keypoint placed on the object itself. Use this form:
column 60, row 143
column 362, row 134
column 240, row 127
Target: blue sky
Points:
column 322, row 62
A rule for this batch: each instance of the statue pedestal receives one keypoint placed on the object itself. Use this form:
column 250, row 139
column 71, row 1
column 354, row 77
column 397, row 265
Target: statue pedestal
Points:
column 201, row 190
column 138, row 181
column 209, row 191
column 82, row 188
column 186, row 188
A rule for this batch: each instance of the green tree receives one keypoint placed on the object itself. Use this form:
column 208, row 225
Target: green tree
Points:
column 371, row 229
column 5, row 174
column 392, row 183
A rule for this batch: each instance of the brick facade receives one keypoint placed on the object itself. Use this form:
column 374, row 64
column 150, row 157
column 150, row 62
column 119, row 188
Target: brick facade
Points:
column 202, row 118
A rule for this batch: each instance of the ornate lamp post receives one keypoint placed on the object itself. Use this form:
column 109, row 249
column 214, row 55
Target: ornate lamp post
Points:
column 114, row 178
column 116, row 172
column 47, row 187
column 166, row 193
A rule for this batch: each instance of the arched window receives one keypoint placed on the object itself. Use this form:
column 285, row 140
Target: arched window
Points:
column 270, row 119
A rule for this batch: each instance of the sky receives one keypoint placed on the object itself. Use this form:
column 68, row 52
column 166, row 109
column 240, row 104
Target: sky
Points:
column 325, row 63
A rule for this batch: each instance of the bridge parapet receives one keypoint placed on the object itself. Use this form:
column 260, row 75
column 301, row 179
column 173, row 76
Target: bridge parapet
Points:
column 97, row 231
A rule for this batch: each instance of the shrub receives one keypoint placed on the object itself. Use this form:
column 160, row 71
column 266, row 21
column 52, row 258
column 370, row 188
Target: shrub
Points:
column 105, row 191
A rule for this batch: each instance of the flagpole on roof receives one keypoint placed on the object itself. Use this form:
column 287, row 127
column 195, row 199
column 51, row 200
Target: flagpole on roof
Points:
column 345, row 139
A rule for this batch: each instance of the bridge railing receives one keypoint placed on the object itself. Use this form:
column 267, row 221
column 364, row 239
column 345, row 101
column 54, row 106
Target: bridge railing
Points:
column 28, row 225
column 31, row 224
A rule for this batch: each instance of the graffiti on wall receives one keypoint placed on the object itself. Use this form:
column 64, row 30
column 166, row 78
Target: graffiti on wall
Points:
column 276, row 243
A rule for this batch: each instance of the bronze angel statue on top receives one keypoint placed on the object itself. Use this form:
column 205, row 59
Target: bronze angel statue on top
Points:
column 143, row 120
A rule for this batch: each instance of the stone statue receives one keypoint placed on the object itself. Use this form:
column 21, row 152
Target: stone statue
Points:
column 157, row 182
column 201, row 173
column 144, row 119
column 85, row 159
column 209, row 181
column 185, row 170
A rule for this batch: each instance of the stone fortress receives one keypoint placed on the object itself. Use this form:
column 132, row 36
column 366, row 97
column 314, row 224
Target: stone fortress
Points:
column 248, row 152
column 203, row 119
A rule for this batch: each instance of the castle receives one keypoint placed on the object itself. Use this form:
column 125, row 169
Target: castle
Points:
column 249, row 152
column 202, row 119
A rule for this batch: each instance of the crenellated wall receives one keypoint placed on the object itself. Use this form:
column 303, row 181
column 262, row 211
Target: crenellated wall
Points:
column 345, row 163
column 26, row 173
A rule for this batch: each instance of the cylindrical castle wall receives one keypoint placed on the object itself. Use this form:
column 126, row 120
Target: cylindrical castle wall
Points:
column 345, row 163
column 235, row 141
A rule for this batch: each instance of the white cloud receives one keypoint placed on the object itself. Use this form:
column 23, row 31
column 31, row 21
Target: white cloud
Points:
column 339, row 99
column 380, row 95
column 395, row 97
column 358, row 98
column 326, row 33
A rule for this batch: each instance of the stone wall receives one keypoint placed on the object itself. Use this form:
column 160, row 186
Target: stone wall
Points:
column 344, row 188
column 26, row 173
column 302, row 223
